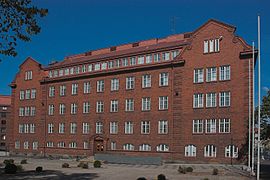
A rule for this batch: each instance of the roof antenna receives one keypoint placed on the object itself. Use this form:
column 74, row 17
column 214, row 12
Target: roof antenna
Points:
column 173, row 24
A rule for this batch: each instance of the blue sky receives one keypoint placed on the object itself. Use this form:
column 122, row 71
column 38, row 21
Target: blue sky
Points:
column 76, row 26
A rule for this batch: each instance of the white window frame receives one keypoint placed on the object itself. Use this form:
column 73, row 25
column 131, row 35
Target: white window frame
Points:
column 146, row 104
column 225, row 99
column 164, row 79
column 224, row 125
column 198, row 100
column 100, row 86
column 198, row 75
column 163, row 127
column 211, row 99
column 210, row 126
column 163, row 103
column 130, row 82
column 190, row 150
column 86, row 87
column 114, row 106
column 99, row 127
column 128, row 127
column 225, row 73
column 73, row 128
column 210, row 151
column 86, row 128
column 113, row 127
column 129, row 104
column 114, row 84
column 74, row 89
column 86, row 107
column 145, row 127
column 197, row 126
column 211, row 74
column 162, row 148
column 146, row 81
column 100, row 107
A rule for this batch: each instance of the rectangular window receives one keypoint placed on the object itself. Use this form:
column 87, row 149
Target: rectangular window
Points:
column 61, row 128
column 72, row 145
column 86, row 107
column 50, row 128
column 117, row 63
column 62, row 90
column 51, row 109
column 114, row 106
column 73, row 108
column 27, row 111
column 51, row 91
column 224, row 99
column 104, row 66
column 99, row 127
column 74, row 89
column 21, row 111
column 224, row 125
column 111, row 64
column 156, row 57
column 211, row 100
column 113, row 127
column 62, row 109
column 21, row 95
column 224, row 73
column 129, row 105
column 67, row 71
column 83, row 68
column 61, row 144
column 73, row 128
column 71, row 70
column 32, row 128
column 162, row 127
column 205, row 46
column 86, row 87
column 146, row 81
column 146, row 104
column 145, row 127
column 32, row 111
column 211, row 74
column 198, row 75
column 97, row 67
column 100, row 86
column 27, row 94
column 90, row 67
column 49, row 144
column 166, row 56
column 114, row 84
column 35, row 145
column 26, row 145
column 164, row 79
column 130, row 82
column 61, row 72
column 175, row 53
column 133, row 61
column 211, row 45
column 148, row 59
column 198, row 100
column 85, row 145
column 141, row 60
column 217, row 45
column 113, row 145
column 125, row 62
column 100, row 107
column 163, row 102
column 86, row 128
column 197, row 126
column 128, row 127
column 33, row 93
column 17, row 144
column 28, row 75
column 210, row 126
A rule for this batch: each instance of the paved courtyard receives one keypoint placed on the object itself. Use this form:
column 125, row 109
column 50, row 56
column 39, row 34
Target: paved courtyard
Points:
column 53, row 170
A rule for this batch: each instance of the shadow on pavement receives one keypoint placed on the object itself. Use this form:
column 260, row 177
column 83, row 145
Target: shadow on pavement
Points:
column 265, row 170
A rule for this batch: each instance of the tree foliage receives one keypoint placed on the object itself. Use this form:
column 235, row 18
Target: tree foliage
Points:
column 18, row 21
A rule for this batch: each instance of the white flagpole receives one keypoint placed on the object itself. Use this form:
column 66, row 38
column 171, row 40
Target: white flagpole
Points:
column 249, row 116
column 253, row 109
column 259, row 100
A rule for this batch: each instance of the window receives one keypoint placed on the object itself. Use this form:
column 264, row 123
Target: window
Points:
column 162, row 127
column 148, row 58
column 85, row 145
column 166, row 56
column 125, row 62
column 198, row 75
column 128, row 147
column 73, row 128
column 117, row 63
column 86, row 87
column 210, row 151
column 146, row 104
column 104, row 66
column 231, row 151
column 51, row 109
column 86, row 107
column 55, row 73
column 211, row 45
column 197, row 126
column 97, row 67
column 33, row 93
column 63, row 90
column 4, row 108
column 90, row 67
column 71, row 70
column 162, row 147
column 26, row 128
column 198, row 100
column 100, row 86
column 175, row 53
column 144, row 147
column 114, row 106
column 35, row 145
column 129, row 105
column 190, row 150
column 77, row 69
column 130, row 82
column 27, row 93
column 156, row 57
column 163, row 102
column 51, row 91
column 49, row 144
column 224, row 99
column 211, row 74
column 113, row 145
column 21, row 95
column 99, row 127
column 27, row 111
column 205, row 46
column 73, row 109
column 21, row 128
column 26, row 145
column 224, row 125
column 72, row 145
column 83, row 68
column 211, row 100
column 100, row 107
column 163, row 79
column 67, row 71
column 110, row 64
column 133, row 61
column 32, row 128
column 17, row 144
column 146, row 81
column 86, row 128
column 114, row 84
column 224, row 73
column 210, row 126
column 32, row 111
column 74, row 89
column 61, row 144
column 145, row 127
column 21, row 111
column 61, row 128
column 141, row 60
column 113, row 127
column 62, row 109
column 50, row 128
column 28, row 75
column 128, row 127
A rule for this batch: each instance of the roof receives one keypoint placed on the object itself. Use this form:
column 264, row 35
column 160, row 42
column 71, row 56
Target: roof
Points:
column 5, row 100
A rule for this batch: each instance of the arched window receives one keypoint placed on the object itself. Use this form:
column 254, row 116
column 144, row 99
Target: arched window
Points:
column 190, row 150
column 145, row 147
column 128, row 147
column 210, row 151
column 231, row 151
column 162, row 147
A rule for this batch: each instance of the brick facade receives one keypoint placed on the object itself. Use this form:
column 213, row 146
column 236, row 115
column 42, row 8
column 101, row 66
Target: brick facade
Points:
column 185, row 53
column 5, row 102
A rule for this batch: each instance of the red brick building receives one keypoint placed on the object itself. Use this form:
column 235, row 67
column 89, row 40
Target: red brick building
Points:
column 182, row 97
column 5, row 102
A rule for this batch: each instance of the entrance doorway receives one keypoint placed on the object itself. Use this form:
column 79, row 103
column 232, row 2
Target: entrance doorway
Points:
column 99, row 146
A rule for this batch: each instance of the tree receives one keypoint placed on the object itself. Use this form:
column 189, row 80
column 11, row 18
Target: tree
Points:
column 18, row 21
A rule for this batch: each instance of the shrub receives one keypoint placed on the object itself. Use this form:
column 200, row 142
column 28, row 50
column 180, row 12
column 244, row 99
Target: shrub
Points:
column 19, row 168
column 24, row 161
column 39, row 169
column 182, row 170
column 215, row 171
column 189, row 169
column 8, row 161
column 80, row 164
column 65, row 165
column 141, row 178
column 97, row 164
column 85, row 166
column 10, row 168
column 161, row 177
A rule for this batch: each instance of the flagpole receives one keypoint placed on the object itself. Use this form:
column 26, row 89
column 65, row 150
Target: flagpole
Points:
column 249, row 116
column 259, row 100
column 253, row 109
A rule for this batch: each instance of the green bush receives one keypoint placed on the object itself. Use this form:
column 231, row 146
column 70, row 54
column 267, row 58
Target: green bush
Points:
column 141, row 178
column 24, row 161
column 39, row 169
column 80, row 164
column 19, row 168
column 161, row 177
column 182, row 170
column 85, row 166
column 215, row 171
column 8, row 161
column 97, row 164
column 65, row 165
column 10, row 168
column 189, row 169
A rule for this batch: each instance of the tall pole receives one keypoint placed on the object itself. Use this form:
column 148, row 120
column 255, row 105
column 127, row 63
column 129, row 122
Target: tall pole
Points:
column 253, row 109
column 259, row 100
column 249, row 116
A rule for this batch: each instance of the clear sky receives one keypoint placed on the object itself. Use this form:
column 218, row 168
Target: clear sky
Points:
column 76, row 26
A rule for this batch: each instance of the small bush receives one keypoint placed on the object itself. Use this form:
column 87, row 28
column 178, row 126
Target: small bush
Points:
column 80, row 164
column 39, row 169
column 85, row 166
column 10, row 168
column 182, row 170
column 141, row 178
column 65, row 165
column 24, row 161
column 215, row 171
column 189, row 169
column 8, row 161
column 97, row 164
column 19, row 168
column 161, row 177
